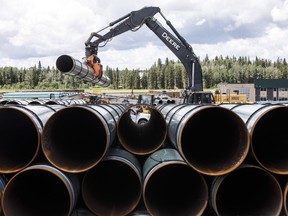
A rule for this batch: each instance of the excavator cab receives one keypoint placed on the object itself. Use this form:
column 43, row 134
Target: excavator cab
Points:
column 201, row 98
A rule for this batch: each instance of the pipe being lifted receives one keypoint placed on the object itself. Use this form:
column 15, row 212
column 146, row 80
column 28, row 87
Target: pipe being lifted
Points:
column 73, row 67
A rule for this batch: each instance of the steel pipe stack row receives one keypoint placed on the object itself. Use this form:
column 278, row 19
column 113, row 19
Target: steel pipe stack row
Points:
column 186, row 160
column 41, row 101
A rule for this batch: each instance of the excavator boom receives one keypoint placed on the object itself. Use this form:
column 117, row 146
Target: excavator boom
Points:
column 175, row 42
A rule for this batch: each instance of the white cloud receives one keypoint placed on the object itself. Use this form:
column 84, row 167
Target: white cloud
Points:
column 200, row 22
column 32, row 30
column 280, row 13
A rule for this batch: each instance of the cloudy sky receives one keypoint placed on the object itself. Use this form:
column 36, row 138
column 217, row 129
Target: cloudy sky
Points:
column 33, row 30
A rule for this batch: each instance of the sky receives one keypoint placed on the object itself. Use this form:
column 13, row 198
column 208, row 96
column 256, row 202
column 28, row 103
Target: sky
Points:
column 33, row 30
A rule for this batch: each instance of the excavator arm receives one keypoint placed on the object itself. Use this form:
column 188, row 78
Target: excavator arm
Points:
column 177, row 44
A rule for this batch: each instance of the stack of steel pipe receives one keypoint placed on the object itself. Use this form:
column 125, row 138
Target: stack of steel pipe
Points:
column 21, row 128
column 77, row 137
column 268, row 135
column 79, row 159
column 40, row 190
column 249, row 190
column 211, row 139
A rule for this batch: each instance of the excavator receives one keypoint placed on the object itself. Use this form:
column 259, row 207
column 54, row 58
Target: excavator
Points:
column 133, row 21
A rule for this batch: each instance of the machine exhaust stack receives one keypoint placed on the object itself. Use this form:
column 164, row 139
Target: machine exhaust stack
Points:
column 73, row 67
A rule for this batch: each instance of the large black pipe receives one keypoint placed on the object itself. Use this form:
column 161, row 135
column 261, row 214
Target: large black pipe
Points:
column 248, row 190
column 268, row 135
column 171, row 187
column 40, row 190
column 20, row 132
column 114, row 186
column 77, row 137
column 211, row 139
column 142, row 139
column 73, row 67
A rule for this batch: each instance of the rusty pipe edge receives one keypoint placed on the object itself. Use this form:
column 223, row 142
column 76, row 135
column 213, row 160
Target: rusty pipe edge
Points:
column 20, row 132
column 285, row 199
column 268, row 136
column 211, row 139
column 171, row 187
column 114, row 186
column 73, row 67
column 142, row 139
column 77, row 137
column 248, row 190
column 40, row 190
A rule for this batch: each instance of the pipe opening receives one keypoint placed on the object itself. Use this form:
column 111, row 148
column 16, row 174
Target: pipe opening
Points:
column 142, row 137
column 248, row 191
column 74, row 139
column 269, row 140
column 175, row 189
column 20, row 140
column 214, row 141
column 111, row 188
column 64, row 63
column 34, row 193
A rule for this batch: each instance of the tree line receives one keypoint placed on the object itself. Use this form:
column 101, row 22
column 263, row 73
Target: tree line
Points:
column 169, row 74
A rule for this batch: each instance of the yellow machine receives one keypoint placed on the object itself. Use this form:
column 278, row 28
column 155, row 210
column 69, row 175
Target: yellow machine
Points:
column 234, row 97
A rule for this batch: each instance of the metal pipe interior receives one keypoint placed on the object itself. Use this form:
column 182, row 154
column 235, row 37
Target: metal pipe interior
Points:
column 20, row 139
column 269, row 140
column 38, row 191
column 111, row 188
column 214, row 140
column 175, row 189
column 247, row 191
column 65, row 63
column 75, row 139
column 145, row 138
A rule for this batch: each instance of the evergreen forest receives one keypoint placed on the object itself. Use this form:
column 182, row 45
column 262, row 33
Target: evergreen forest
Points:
column 161, row 75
